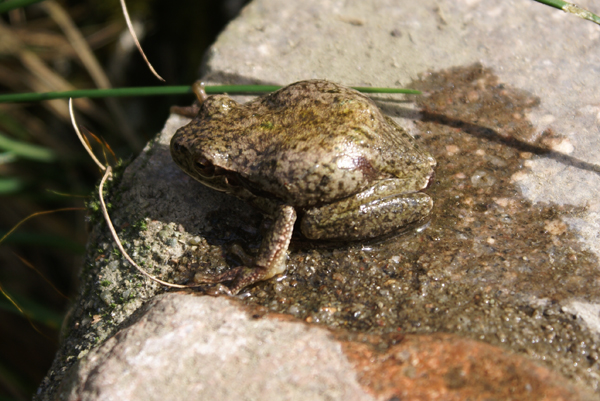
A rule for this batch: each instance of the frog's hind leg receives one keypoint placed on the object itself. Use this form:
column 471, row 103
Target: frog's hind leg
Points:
column 271, row 259
column 365, row 217
column 229, row 275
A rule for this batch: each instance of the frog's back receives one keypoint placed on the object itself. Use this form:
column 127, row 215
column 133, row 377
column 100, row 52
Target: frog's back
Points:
column 315, row 141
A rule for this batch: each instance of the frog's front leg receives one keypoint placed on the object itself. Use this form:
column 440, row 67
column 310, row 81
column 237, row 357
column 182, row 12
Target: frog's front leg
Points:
column 381, row 209
column 271, row 259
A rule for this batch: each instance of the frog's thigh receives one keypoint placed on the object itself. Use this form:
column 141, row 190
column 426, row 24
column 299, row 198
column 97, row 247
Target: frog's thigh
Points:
column 351, row 219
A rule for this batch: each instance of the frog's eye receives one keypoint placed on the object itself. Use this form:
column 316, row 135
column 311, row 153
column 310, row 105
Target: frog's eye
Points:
column 205, row 168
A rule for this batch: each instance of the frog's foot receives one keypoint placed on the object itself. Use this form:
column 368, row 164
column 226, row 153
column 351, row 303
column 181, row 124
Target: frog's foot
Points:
column 271, row 259
column 186, row 111
column 247, row 276
column 240, row 277
column 192, row 111
column 229, row 275
column 238, row 251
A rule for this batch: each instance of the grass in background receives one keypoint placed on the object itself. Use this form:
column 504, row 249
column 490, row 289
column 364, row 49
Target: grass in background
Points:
column 42, row 163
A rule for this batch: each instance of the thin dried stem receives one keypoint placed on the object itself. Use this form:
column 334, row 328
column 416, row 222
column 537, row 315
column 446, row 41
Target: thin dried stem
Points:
column 37, row 214
column 74, row 36
column 107, row 173
column 135, row 39
column 11, row 44
column 32, row 267
column 85, row 144
column 89, row 60
column 16, row 305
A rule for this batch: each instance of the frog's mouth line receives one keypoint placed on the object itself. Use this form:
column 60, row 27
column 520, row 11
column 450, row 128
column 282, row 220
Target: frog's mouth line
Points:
column 221, row 179
column 215, row 177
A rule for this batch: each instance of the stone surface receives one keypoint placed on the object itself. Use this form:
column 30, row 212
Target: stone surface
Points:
column 589, row 313
column 238, row 354
column 186, row 347
column 510, row 257
column 446, row 367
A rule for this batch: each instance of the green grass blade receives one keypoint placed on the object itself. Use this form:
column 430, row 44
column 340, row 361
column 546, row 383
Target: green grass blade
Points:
column 571, row 9
column 26, row 150
column 94, row 93
column 7, row 157
column 13, row 126
column 8, row 5
column 35, row 311
column 162, row 90
column 10, row 185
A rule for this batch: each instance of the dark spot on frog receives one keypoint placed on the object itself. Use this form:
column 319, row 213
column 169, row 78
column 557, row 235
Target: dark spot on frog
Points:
column 366, row 168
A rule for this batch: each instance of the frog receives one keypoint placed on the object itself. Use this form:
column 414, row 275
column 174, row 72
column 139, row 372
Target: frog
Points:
column 314, row 155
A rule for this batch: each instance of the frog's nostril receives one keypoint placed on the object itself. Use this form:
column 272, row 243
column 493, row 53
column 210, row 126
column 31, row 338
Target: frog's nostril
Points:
column 205, row 168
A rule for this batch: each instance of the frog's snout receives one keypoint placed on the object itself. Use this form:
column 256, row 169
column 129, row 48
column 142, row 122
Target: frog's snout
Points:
column 180, row 152
column 176, row 146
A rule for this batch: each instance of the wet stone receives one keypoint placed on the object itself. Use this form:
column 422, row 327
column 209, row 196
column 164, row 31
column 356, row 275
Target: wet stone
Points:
column 486, row 255
column 441, row 367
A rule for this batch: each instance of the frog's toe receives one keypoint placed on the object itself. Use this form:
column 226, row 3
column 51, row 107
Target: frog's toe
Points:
column 240, row 277
column 229, row 275
column 247, row 276
column 218, row 289
column 186, row 111
column 238, row 251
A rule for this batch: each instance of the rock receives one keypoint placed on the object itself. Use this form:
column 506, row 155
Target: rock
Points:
column 181, row 347
column 507, row 268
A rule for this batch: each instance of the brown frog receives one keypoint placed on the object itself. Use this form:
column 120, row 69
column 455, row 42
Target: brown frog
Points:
column 314, row 149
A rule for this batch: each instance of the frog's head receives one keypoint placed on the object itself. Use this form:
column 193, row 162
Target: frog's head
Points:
column 200, row 161
column 190, row 146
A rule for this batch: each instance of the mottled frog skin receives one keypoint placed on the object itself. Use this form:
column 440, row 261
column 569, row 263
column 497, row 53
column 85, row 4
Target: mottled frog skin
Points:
column 314, row 149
